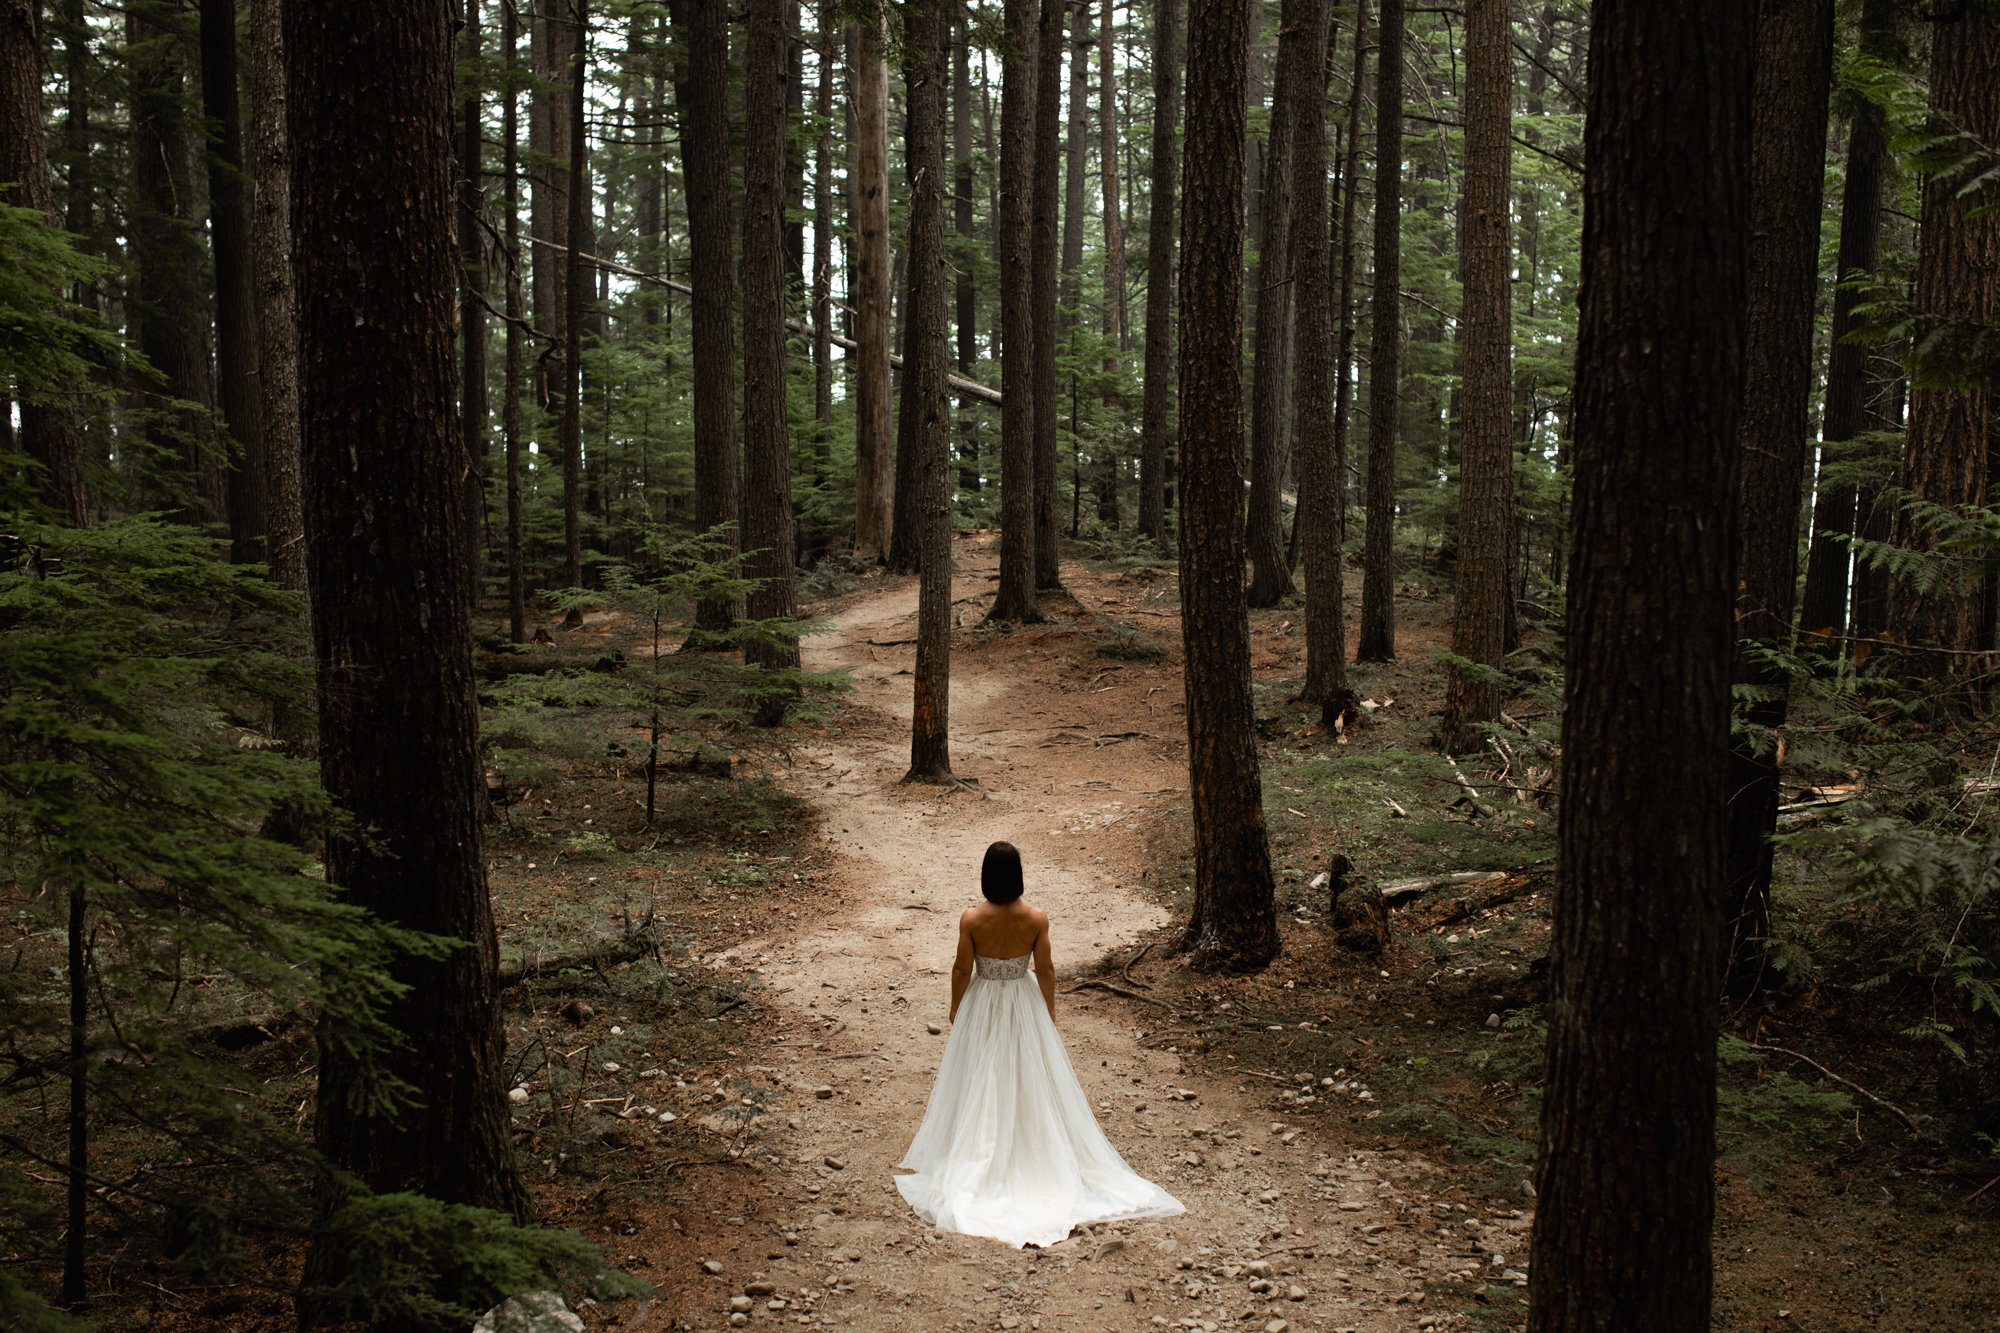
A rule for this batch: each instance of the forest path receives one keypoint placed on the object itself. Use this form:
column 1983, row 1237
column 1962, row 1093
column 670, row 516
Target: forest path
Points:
column 1068, row 771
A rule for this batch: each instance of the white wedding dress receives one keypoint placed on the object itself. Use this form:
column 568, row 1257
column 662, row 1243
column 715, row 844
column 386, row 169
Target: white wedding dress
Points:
column 1009, row 1148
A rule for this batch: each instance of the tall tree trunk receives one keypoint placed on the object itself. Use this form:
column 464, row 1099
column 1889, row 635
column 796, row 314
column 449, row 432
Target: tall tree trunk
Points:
column 1823, row 604
column 1233, row 924
column 510, row 403
column 1157, row 407
column 1077, row 105
column 1048, row 124
column 795, row 154
column 1270, row 573
column 703, row 101
column 967, row 295
column 235, row 295
column 767, row 451
column 370, row 89
column 822, row 281
column 1622, row 1236
column 1486, row 460
column 1320, row 462
column 1376, row 638
column 1110, row 463
column 925, row 404
column 548, row 141
column 48, row 429
column 277, row 302
column 873, row 457
column 906, row 538
column 576, row 279
column 1020, row 73
column 1958, row 253
column 1343, row 392
column 1787, row 171
column 472, row 309
column 171, row 301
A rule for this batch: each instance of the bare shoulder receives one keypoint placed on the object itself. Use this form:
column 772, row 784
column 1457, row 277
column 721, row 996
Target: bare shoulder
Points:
column 1037, row 915
column 970, row 917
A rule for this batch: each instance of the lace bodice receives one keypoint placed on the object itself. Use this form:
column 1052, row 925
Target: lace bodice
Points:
column 1002, row 969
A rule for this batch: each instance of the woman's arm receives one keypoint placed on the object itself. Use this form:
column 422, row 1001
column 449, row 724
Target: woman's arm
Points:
column 1045, row 970
column 961, row 966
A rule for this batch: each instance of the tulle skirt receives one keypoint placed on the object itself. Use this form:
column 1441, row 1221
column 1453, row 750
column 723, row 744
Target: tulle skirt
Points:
column 1009, row 1148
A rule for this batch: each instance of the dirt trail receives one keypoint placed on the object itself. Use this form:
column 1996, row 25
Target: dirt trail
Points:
column 858, row 991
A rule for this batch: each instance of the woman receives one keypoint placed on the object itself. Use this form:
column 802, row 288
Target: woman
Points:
column 1008, row 1147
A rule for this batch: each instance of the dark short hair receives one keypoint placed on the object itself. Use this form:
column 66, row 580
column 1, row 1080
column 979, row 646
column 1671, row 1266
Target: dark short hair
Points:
column 1000, row 876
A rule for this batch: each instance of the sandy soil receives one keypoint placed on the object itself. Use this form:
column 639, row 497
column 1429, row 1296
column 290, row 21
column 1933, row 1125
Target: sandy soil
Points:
column 863, row 995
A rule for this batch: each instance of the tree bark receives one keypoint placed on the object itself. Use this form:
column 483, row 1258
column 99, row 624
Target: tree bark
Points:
column 1110, row 464
column 171, row 302
column 1823, row 604
column 472, row 310
column 703, row 99
column 510, row 406
column 48, row 429
column 1326, row 627
column 548, row 141
column 236, row 368
column 1233, row 924
column 370, row 89
column 873, row 455
column 1320, row 462
column 1156, row 409
column 1958, row 252
column 1376, row 640
column 1787, row 172
column 1486, row 458
column 1270, row 460
column 1020, row 74
column 822, row 280
column 1043, row 268
column 767, row 452
column 925, row 404
column 277, row 301
column 576, row 280
column 967, row 295
column 1625, row 1173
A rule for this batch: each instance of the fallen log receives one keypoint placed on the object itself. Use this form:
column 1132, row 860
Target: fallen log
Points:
column 625, row 948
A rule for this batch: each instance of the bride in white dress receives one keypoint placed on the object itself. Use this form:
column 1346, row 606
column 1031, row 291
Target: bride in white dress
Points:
column 1009, row 1147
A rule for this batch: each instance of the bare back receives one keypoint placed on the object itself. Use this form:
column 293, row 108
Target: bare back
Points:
column 1005, row 930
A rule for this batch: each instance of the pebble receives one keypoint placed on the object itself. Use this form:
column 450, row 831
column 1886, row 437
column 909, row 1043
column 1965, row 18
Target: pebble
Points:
column 1258, row 1268
column 1278, row 1326
column 851, row 1255
column 739, row 1305
column 711, row 1266
column 1268, row 1196
column 836, row 1164
column 1261, row 1285
column 933, row 1029
column 823, row 1093
column 517, row 1095
column 738, row 1320
column 1493, row 1021
column 1009, row 1321
column 1295, row 1292
column 611, row 1066
column 759, row 1289
column 668, row 1117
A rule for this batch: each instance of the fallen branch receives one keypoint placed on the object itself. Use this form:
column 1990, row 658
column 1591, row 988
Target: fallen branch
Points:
column 1121, row 991
column 1405, row 888
column 1845, row 1083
